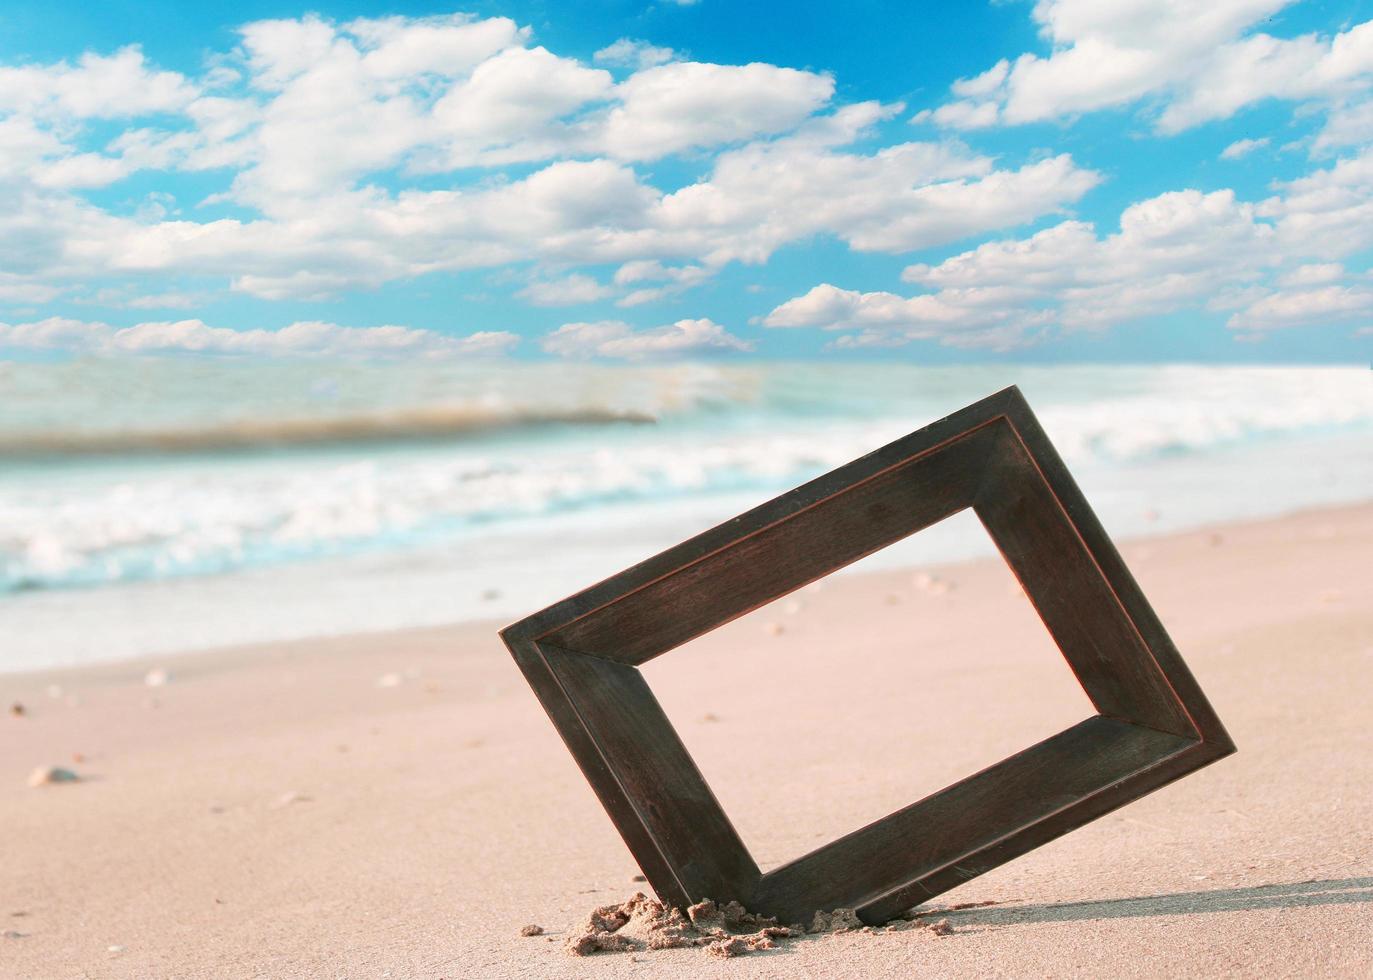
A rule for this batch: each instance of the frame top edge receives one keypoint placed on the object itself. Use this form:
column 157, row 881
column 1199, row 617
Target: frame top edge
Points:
column 1001, row 403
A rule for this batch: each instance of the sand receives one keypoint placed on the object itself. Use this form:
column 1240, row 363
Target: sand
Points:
column 397, row 805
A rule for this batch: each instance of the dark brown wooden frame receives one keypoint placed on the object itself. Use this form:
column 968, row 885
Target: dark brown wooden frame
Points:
column 581, row 656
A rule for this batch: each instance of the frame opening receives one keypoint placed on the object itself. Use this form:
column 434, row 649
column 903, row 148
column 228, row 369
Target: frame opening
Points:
column 911, row 639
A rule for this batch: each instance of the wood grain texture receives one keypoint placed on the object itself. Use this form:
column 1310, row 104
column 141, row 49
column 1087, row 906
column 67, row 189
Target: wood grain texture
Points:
column 1032, row 834
column 781, row 557
column 1077, row 603
column 655, row 773
column 780, row 508
column 581, row 658
column 1107, row 558
column 948, row 828
column 583, row 745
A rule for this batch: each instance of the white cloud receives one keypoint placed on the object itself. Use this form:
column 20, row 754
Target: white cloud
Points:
column 1328, row 213
column 442, row 94
column 360, row 153
column 43, row 108
column 631, row 53
column 300, row 339
column 1241, row 148
column 1261, row 67
column 954, row 317
column 1180, row 237
column 1179, row 250
column 165, row 301
column 511, row 108
column 1199, row 62
column 964, row 114
column 614, row 338
column 55, row 333
column 755, row 199
column 1305, row 307
column 899, row 198
column 1313, row 274
column 125, row 298
column 114, row 86
column 24, row 145
column 985, row 84
column 679, row 106
column 1349, row 124
column 26, row 292
column 674, row 279
column 82, row 170
column 445, row 45
column 635, row 283
column 569, row 290
column 1266, row 67
column 341, row 102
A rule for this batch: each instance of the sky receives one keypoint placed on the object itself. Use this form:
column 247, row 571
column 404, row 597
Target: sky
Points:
column 1068, row 180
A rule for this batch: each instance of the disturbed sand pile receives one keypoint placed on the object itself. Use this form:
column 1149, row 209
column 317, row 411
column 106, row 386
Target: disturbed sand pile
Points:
column 643, row 923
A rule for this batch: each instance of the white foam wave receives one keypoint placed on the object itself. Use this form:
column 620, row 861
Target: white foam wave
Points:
column 755, row 431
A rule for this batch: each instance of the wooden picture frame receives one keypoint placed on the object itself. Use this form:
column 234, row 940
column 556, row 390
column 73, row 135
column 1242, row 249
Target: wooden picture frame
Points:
column 581, row 656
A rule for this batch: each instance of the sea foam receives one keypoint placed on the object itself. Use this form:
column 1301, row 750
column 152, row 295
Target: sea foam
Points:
column 219, row 467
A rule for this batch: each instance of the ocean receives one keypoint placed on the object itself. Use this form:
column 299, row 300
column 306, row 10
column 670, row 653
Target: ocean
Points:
column 155, row 506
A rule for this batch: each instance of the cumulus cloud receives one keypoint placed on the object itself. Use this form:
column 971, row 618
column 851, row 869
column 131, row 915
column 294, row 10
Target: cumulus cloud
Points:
column 300, row 339
column 754, row 199
column 615, row 338
column 958, row 318
column 1305, row 307
column 1198, row 62
column 1242, row 148
column 444, row 94
column 55, row 333
column 513, row 108
column 359, row 153
column 1328, row 213
column 671, row 279
column 1313, row 274
column 309, row 107
column 634, row 283
column 1349, row 124
column 566, row 291
column 13, row 291
column 903, row 197
column 679, row 106
column 1179, row 250
column 43, row 108
column 1176, row 247
column 630, row 53
column 98, row 86
column 1260, row 67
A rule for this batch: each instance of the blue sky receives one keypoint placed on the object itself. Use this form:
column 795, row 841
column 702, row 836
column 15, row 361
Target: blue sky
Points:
column 1084, row 180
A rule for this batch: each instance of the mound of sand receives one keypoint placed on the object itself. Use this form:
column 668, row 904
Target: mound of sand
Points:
column 643, row 923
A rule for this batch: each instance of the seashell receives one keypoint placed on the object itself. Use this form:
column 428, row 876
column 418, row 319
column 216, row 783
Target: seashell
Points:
column 50, row 775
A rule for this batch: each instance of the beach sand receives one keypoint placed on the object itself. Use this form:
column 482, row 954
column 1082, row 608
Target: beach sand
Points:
column 398, row 805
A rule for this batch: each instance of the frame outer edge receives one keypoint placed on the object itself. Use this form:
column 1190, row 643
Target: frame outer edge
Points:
column 1107, row 555
column 582, row 745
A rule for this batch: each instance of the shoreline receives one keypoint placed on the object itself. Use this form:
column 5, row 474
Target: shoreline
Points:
column 398, row 802
column 277, row 590
column 236, row 652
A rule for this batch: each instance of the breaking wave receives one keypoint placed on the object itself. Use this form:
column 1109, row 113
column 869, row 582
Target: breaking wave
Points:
column 121, row 473
column 409, row 425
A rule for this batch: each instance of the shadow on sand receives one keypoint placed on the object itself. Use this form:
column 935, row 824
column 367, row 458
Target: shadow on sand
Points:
column 1276, row 896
